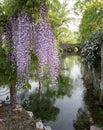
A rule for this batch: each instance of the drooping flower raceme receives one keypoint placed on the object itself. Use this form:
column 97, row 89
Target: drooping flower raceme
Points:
column 21, row 30
column 21, row 38
column 18, row 38
column 46, row 48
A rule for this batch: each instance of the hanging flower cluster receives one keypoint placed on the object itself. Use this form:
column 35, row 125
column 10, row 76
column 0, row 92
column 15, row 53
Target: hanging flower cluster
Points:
column 19, row 30
column 20, row 34
column 46, row 47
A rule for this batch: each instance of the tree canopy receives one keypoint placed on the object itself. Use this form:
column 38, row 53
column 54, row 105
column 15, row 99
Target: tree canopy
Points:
column 92, row 20
column 59, row 19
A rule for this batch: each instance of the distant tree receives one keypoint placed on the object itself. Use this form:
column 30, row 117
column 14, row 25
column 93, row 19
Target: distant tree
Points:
column 59, row 17
column 81, row 5
column 92, row 20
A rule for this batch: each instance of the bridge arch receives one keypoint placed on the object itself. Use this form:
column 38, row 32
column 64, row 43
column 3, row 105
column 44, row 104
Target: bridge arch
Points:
column 71, row 48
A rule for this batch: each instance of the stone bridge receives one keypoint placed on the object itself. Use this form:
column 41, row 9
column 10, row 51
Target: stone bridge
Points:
column 71, row 49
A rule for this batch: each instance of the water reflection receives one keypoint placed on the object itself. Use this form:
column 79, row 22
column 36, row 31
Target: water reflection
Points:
column 83, row 121
column 69, row 106
column 66, row 106
column 58, row 109
column 42, row 107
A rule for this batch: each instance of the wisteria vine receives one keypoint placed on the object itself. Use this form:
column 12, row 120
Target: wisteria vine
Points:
column 46, row 47
column 20, row 34
column 19, row 30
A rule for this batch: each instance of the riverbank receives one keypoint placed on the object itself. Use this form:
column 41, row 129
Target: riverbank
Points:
column 17, row 118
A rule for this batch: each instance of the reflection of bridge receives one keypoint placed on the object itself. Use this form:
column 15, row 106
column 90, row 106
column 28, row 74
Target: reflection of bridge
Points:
column 71, row 49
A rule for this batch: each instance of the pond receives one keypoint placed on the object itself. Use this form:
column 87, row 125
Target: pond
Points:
column 59, row 109
column 67, row 106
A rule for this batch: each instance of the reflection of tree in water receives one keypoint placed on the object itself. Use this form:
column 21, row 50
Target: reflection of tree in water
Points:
column 42, row 103
column 65, row 82
column 93, row 115
column 42, row 106
column 94, row 106
column 64, row 87
column 68, row 62
column 83, row 120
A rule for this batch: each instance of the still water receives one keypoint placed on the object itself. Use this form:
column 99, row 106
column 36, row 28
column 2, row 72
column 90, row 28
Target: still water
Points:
column 58, row 109
column 69, row 105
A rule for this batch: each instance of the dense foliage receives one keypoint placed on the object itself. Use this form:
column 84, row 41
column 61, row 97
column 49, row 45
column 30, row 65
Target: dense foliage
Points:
column 21, row 16
column 22, row 24
column 91, row 48
column 7, row 76
column 27, row 26
column 81, row 5
column 59, row 21
column 92, row 19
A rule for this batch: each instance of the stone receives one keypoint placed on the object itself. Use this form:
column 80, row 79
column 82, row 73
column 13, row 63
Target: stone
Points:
column 47, row 128
column 39, row 125
column 18, row 108
column 30, row 114
column 1, row 120
column 95, row 128
column 0, row 101
column 2, row 125
column 1, row 105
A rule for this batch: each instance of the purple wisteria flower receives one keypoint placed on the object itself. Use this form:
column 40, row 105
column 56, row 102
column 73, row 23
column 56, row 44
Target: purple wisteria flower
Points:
column 46, row 47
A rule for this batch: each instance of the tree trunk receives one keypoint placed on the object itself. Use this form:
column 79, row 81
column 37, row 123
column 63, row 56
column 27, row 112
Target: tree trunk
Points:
column 101, row 85
column 13, row 98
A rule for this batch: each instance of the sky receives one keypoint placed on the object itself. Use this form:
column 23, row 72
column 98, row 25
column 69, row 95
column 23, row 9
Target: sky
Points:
column 1, row 0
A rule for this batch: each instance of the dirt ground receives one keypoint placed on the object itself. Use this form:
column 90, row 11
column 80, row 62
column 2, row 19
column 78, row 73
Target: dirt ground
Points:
column 11, row 119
